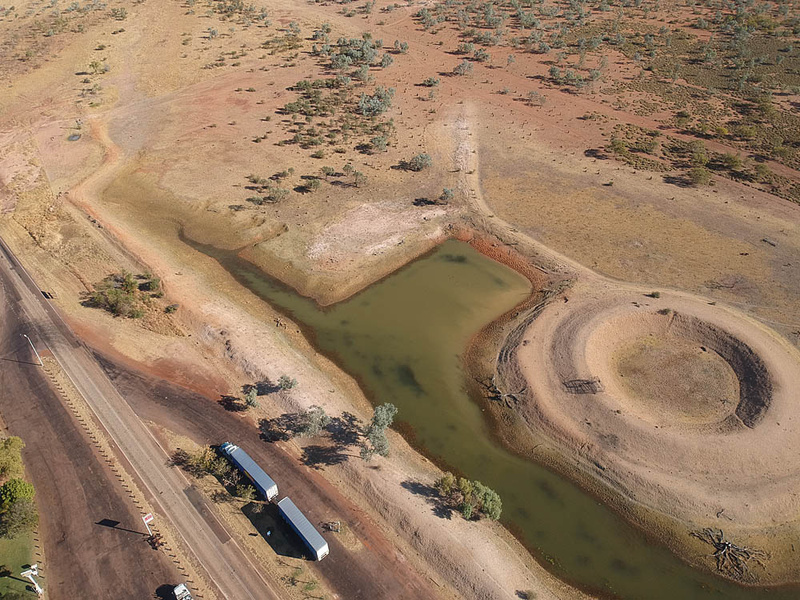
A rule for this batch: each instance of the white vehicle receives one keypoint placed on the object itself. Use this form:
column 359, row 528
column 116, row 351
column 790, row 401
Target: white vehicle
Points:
column 182, row 592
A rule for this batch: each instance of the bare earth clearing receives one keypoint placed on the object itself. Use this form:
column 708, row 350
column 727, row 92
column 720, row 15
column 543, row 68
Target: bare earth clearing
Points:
column 122, row 131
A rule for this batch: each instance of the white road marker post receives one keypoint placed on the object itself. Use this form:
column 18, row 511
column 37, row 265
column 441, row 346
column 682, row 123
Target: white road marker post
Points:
column 25, row 335
column 34, row 570
column 148, row 518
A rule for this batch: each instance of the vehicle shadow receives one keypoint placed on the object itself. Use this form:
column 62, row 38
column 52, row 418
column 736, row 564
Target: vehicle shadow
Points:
column 281, row 538
column 164, row 592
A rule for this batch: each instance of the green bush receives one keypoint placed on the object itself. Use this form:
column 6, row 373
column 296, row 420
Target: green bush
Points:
column 419, row 162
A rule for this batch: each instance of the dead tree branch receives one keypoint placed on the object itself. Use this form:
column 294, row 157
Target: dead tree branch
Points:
column 731, row 559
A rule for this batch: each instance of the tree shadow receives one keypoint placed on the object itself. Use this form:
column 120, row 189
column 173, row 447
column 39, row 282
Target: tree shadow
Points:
column 596, row 153
column 232, row 404
column 432, row 497
column 677, row 180
column 266, row 387
column 345, row 430
column 280, row 429
column 317, row 456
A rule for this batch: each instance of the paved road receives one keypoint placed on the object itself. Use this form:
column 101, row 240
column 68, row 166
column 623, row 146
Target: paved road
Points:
column 75, row 489
column 227, row 566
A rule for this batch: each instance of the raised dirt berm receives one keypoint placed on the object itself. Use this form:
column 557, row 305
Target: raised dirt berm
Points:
column 673, row 404
column 673, row 368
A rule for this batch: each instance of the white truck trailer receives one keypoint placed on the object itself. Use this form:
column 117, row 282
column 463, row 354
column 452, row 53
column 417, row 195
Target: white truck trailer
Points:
column 303, row 527
column 261, row 481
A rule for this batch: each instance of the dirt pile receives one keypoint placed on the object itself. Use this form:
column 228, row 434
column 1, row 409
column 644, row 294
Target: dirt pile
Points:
column 718, row 454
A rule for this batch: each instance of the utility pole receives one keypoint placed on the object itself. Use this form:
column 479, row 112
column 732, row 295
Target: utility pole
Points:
column 25, row 335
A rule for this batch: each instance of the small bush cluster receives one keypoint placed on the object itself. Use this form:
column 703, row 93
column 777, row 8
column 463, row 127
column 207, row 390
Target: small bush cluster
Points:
column 470, row 498
column 124, row 294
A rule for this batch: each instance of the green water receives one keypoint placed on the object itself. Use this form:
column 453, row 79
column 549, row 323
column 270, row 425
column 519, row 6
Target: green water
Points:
column 402, row 338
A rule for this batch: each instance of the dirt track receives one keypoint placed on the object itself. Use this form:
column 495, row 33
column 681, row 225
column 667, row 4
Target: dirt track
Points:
column 378, row 571
column 75, row 489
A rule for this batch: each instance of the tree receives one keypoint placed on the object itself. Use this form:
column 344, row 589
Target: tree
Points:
column 245, row 492
column 11, row 457
column 328, row 172
column 383, row 416
column 250, row 397
column 487, row 501
column 17, row 508
column 15, row 490
column 313, row 421
column 446, row 484
column 376, row 441
column 470, row 498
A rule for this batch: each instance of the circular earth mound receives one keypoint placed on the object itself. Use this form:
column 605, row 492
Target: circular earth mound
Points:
column 676, row 379
column 675, row 368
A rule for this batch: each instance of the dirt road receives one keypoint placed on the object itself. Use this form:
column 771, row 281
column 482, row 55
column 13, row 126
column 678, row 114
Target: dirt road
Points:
column 378, row 571
column 227, row 566
column 75, row 490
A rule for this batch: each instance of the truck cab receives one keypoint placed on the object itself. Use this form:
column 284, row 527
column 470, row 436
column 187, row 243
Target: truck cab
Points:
column 181, row 592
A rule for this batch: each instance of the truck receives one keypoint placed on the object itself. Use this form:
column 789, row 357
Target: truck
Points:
column 303, row 527
column 260, row 480
column 181, row 592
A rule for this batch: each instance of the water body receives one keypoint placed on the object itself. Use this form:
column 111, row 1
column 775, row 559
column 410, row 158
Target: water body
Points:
column 403, row 339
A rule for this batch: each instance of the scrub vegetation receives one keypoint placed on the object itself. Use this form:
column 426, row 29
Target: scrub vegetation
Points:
column 471, row 498
column 18, row 514
column 127, row 295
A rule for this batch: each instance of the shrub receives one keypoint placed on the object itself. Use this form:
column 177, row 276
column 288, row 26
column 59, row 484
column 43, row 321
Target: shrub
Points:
column 419, row 162
column 377, row 103
column 482, row 55
column 700, row 176
column 286, row 383
column 463, row 68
